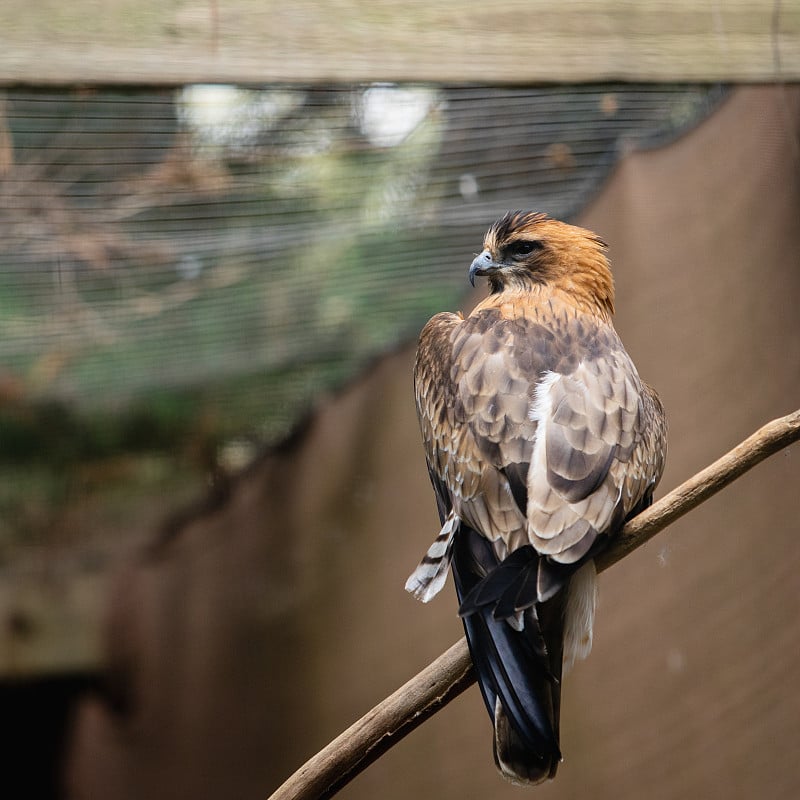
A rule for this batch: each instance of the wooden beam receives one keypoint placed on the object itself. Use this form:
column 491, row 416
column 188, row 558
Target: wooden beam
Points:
column 88, row 42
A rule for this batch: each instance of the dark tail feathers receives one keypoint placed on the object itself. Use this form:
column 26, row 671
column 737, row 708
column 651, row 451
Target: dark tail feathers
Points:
column 518, row 667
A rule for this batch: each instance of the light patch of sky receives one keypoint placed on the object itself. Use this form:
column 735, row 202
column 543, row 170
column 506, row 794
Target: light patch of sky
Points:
column 388, row 114
column 225, row 115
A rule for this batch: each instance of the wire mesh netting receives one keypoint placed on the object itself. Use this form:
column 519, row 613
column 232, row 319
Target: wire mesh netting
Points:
column 247, row 248
column 185, row 271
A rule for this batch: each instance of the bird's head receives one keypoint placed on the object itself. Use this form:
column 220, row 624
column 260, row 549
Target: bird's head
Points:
column 525, row 248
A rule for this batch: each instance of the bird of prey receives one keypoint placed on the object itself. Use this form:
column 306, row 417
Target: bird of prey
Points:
column 541, row 441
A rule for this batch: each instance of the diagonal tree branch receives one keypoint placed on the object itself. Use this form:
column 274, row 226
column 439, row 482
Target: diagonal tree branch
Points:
column 441, row 681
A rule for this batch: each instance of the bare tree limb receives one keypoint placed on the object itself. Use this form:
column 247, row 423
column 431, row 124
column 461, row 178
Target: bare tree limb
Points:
column 450, row 674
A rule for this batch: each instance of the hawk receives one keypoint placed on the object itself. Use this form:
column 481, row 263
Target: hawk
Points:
column 541, row 441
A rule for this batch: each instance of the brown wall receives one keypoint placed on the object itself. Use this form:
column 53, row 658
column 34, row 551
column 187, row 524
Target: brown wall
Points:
column 273, row 622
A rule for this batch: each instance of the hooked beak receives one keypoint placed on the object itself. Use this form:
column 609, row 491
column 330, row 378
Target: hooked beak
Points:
column 483, row 264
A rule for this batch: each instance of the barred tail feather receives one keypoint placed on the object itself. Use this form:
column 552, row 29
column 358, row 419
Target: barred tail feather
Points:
column 427, row 580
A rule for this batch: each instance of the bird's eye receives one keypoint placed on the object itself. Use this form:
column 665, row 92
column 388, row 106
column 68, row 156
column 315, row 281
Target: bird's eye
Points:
column 523, row 247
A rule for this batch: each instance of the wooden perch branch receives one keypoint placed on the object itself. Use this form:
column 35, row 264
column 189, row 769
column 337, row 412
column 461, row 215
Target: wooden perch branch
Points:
column 429, row 691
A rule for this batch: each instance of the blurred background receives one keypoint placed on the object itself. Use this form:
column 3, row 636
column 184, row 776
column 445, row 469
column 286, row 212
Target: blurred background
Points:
column 223, row 225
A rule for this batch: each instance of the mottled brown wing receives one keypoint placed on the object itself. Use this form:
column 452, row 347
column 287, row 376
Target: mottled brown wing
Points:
column 495, row 366
column 599, row 451
column 435, row 397
column 472, row 404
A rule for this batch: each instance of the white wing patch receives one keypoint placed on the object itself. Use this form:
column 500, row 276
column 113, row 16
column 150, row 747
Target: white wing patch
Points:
column 542, row 401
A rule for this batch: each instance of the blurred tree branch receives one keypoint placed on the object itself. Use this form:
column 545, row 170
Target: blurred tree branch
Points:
column 366, row 740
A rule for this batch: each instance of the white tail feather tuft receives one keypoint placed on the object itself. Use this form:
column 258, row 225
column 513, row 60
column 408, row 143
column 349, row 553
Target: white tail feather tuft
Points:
column 579, row 614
